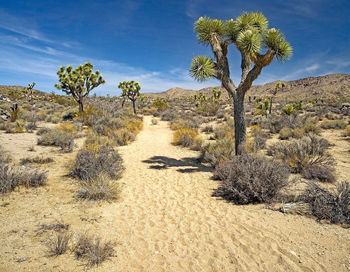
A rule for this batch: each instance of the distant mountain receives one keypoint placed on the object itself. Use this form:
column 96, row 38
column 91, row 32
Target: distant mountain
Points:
column 328, row 86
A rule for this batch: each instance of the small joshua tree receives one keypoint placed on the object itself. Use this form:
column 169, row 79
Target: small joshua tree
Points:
column 131, row 90
column 258, row 46
column 78, row 82
column 278, row 85
column 29, row 91
column 216, row 94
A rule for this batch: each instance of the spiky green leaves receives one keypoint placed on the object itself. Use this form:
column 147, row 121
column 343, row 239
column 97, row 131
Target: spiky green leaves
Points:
column 130, row 89
column 249, row 42
column 274, row 39
column 249, row 32
column 202, row 68
column 256, row 22
column 206, row 27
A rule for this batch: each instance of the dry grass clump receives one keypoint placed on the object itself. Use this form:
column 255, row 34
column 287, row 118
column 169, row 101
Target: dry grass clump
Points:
column 58, row 137
column 327, row 205
column 68, row 128
column 89, row 164
column 93, row 250
column 258, row 139
column 249, row 179
column 223, row 131
column 122, row 130
column 220, row 150
column 11, row 177
column 333, row 124
column 123, row 136
column 38, row 160
column 321, row 173
column 186, row 137
column 94, row 142
column 59, row 244
column 303, row 153
column 208, row 129
column 100, row 188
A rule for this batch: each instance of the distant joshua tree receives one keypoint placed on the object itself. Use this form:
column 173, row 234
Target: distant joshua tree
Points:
column 258, row 46
column 79, row 82
column 29, row 91
column 278, row 85
column 131, row 90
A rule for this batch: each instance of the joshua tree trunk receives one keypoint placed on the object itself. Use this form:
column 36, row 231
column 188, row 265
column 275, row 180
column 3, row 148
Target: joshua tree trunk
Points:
column 270, row 108
column 134, row 106
column 81, row 106
column 240, row 127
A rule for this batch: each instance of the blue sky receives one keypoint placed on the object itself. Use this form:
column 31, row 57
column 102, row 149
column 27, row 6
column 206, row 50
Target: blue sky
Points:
column 153, row 41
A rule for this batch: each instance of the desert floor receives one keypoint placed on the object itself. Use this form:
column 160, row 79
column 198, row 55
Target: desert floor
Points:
column 166, row 218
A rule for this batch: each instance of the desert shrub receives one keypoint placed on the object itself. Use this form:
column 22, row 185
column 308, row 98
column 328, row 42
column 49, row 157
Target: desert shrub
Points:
column 311, row 126
column 333, row 124
column 220, row 150
column 169, row 115
column 208, row 129
column 4, row 157
column 68, row 128
column 90, row 115
column 123, row 136
column 160, row 104
column 224, row 130
column 288, row 109
column 59, row 244
column 326, row 205
column 94, row 142
column 134, row 125
column 58, row 137
column 287, row 133
column 321, row 173
column 70, row 114
column 89, row 164
column 38, row 160
column 100, row 188
column 30, row 127
column 185, row 137
column 42, row 131
column 249, row 179
column 11, row 177
column 302, row 153
column 93, row 250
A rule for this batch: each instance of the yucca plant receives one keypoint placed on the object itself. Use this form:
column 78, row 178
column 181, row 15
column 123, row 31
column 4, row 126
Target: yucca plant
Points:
column 79, row 82
column 258, row 46
column 130, row 90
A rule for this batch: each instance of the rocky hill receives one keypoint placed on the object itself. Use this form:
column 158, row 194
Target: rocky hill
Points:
column 328, row 86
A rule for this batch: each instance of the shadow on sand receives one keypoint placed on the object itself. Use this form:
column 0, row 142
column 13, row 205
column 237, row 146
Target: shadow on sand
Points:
column 190, row 164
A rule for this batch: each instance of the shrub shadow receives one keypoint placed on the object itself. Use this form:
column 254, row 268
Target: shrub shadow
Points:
column 190, row 164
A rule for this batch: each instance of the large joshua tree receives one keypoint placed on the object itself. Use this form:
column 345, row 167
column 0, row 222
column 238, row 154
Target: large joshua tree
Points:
column 258, row 46
column 79, row 82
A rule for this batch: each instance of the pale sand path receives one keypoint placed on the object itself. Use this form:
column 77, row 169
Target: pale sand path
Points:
column 166, row 219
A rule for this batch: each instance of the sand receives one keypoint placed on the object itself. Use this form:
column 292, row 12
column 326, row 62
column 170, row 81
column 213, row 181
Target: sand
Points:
column 165, row 220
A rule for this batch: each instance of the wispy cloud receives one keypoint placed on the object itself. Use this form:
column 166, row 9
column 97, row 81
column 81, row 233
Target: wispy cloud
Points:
column 21, row 26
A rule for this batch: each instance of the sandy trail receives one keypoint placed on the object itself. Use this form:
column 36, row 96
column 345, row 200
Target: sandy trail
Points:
column 167, row 220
